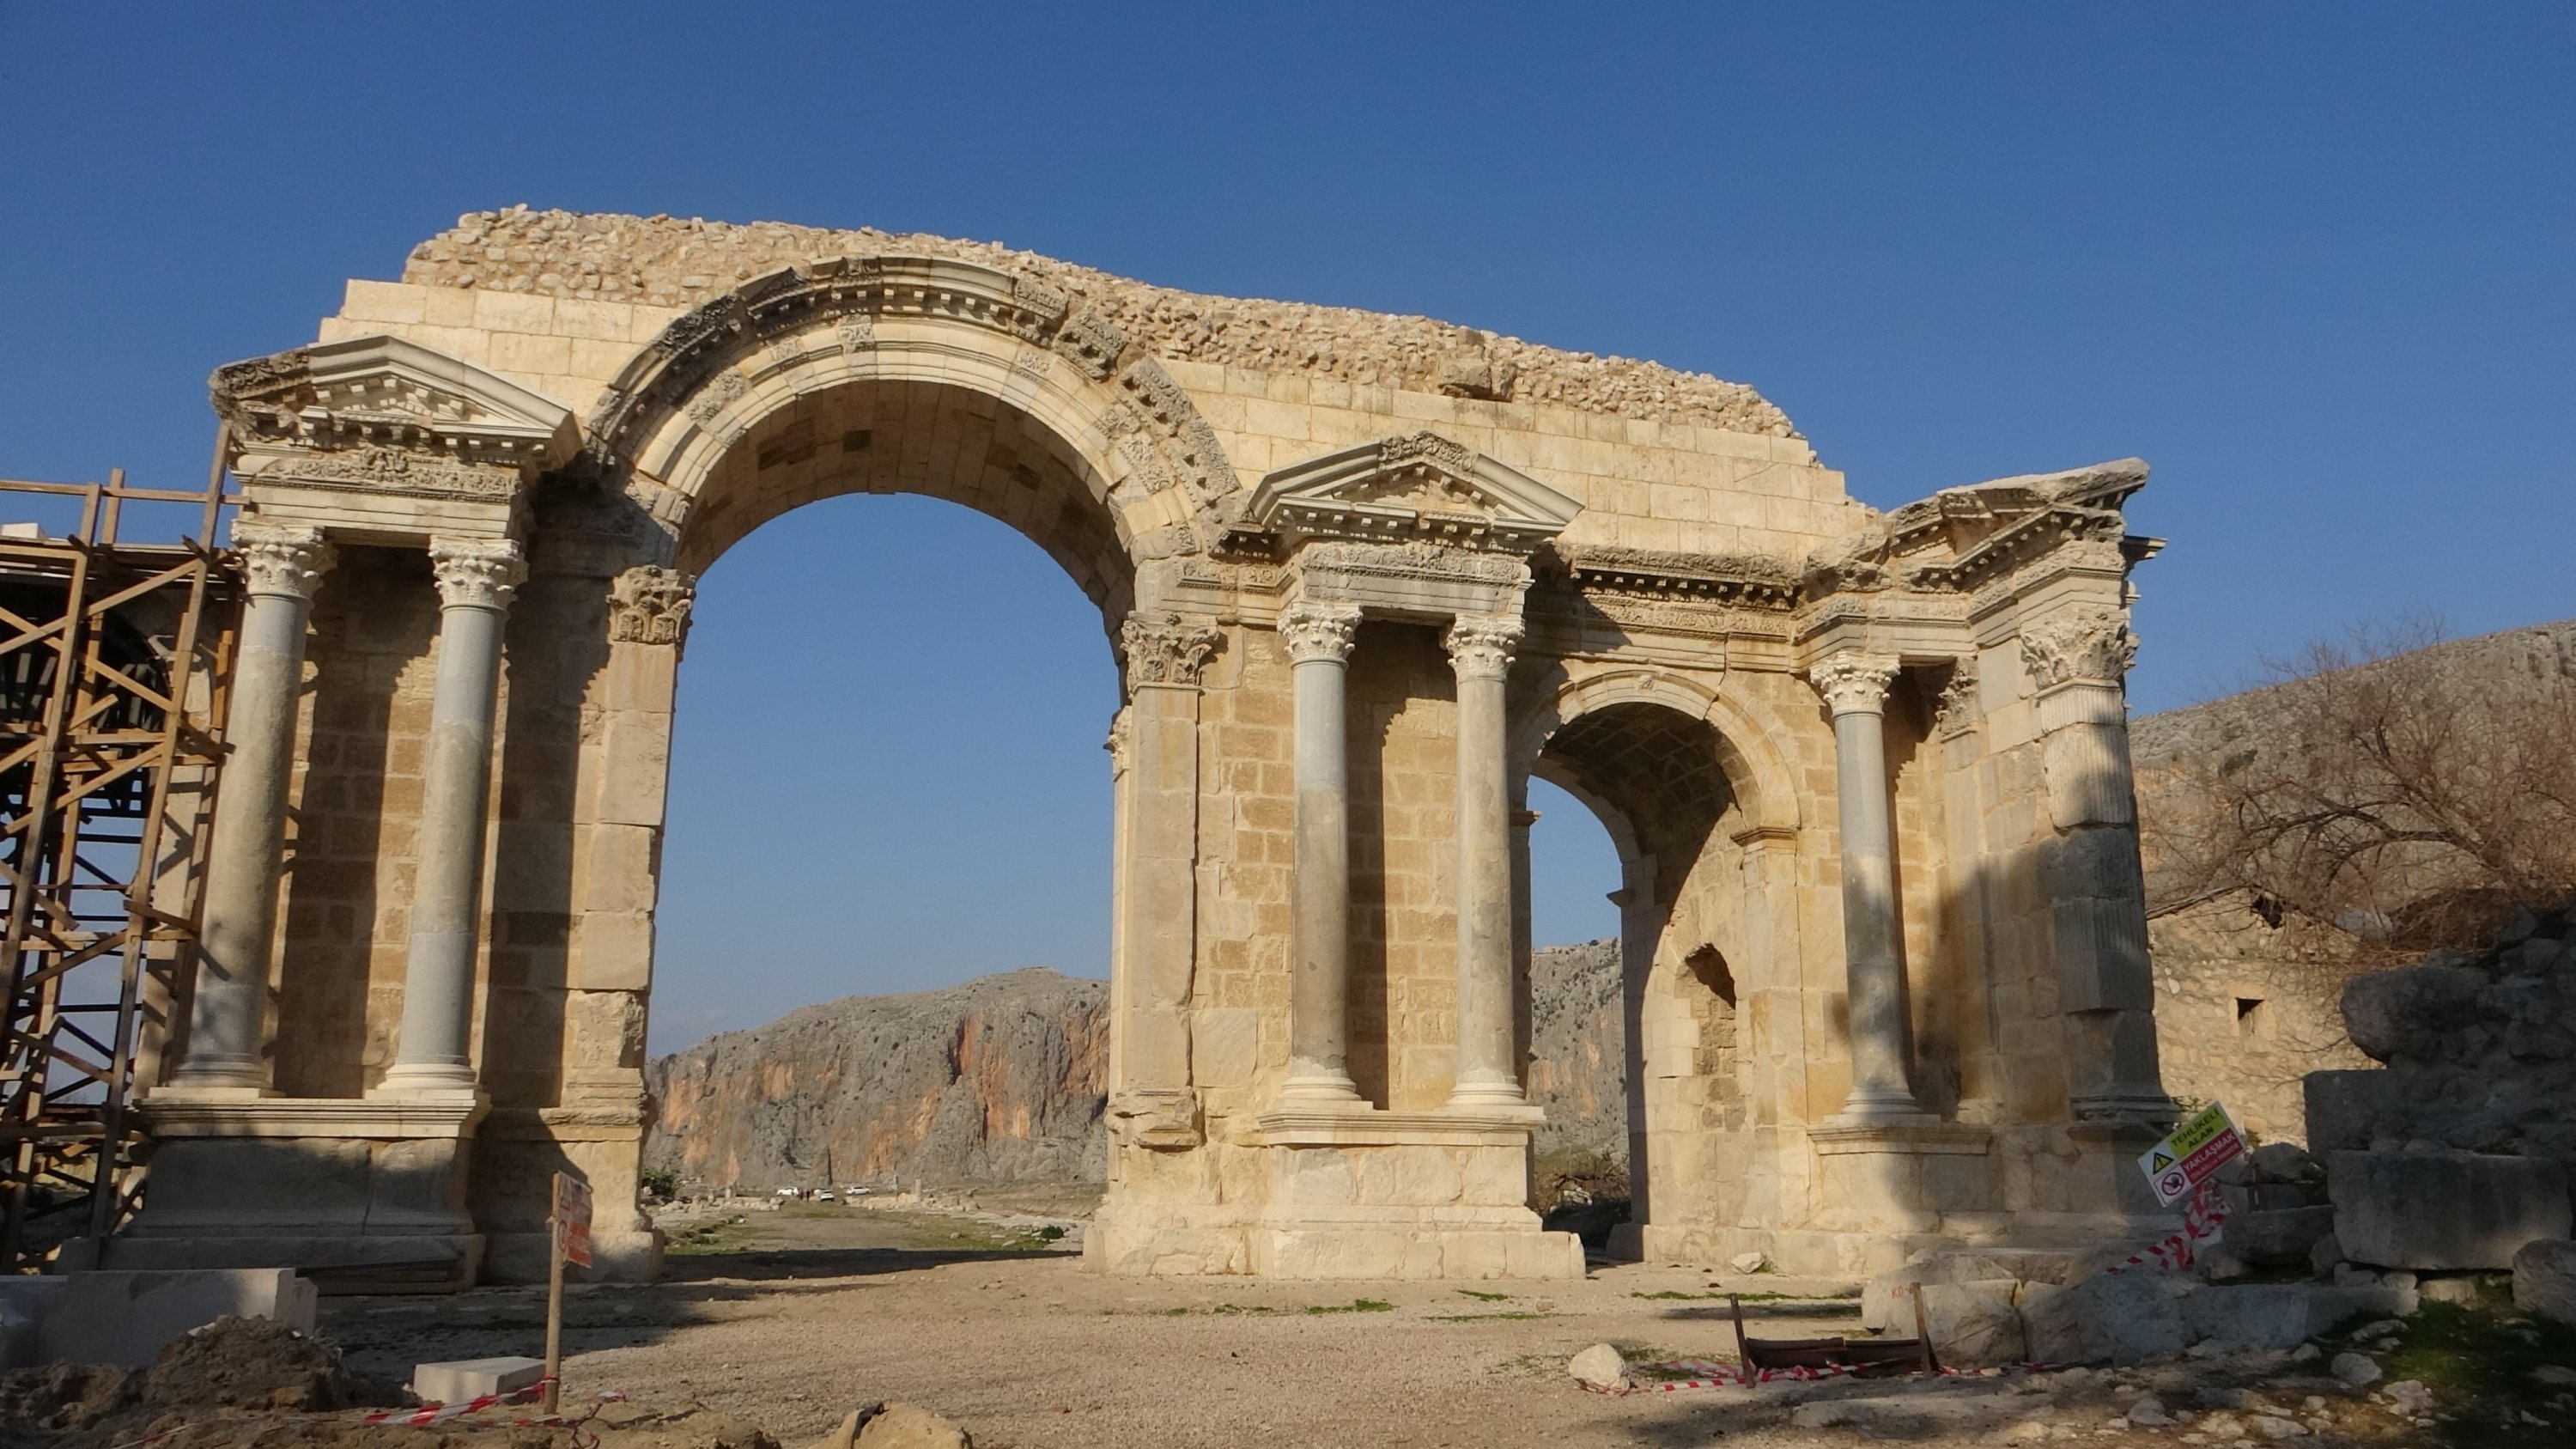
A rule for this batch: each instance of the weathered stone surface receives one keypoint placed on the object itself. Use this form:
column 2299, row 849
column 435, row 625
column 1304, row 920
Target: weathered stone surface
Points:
column 2444, row 1210
column 1600, row 1366
column 2355, row 1370
column 2264, row 1315
column 2284, row 1236
column 2115, row 1318
column 2410, row 1011
column 910, row 1426
column 1886, row 1302
column 126, row 1317
column 1973, row 1325
column 2544, row 1279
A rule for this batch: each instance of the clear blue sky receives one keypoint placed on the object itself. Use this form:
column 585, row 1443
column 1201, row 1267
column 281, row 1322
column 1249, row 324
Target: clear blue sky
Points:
column 2311, row 260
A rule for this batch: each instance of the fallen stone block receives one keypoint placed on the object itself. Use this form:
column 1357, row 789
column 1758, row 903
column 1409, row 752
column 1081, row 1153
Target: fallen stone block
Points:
column 2279, row 1238
column 1886, row 1303
column 2253, row 1315
column 2412, row 1010
column 2355, row 1370
column 1973, row 1325
column 2544, row 1279
column 458, row 1381
column 125, row 1317
column 2115, row 1318
column 2444, row 1210
column 2345, row 1109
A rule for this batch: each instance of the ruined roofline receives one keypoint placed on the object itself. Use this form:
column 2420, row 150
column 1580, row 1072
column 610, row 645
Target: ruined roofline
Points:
column 666, row 261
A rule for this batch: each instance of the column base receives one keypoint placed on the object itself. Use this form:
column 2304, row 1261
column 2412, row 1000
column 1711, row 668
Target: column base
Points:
column 425, row 1081
column 359, row 1195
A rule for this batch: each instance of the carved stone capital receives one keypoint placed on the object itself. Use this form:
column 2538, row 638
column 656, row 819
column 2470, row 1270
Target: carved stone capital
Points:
column 1116, row 743
column 2088, row 646
column 1319, row 631
column 650, row 605
column 1956, row 713
column 1854, row 683
column 1166, row 648
column 1482, row 648
column 281, row 558
column 477, row 573
column 1165, row 1119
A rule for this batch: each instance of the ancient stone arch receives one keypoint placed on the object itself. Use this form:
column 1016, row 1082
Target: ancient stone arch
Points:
column 1364, row 574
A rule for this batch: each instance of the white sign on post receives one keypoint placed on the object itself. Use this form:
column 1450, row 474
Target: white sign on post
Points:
column 2206, row 1141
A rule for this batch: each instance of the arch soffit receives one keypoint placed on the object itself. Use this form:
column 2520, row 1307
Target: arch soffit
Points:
column 699, row 388
column 1752, row 763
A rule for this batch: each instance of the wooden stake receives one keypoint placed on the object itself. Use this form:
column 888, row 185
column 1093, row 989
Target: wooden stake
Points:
column 554, row 1309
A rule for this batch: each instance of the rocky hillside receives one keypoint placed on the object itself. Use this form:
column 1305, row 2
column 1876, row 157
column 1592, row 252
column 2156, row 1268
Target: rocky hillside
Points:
column 997, row 1080
column 1579, row 1042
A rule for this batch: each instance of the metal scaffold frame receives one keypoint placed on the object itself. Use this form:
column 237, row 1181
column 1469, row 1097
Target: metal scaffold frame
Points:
column 114, row 657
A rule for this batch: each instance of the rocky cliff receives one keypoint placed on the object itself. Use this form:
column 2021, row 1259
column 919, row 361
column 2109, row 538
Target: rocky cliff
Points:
column 1579, row 1045
column 997, row 1080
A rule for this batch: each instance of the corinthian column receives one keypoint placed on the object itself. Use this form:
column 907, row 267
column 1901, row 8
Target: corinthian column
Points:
column 282, row 564
column 1855, row 688
column 2098, row 904
column 476, row 580
column 1319, row 651
column 1480, row 650
column 1151, row 1103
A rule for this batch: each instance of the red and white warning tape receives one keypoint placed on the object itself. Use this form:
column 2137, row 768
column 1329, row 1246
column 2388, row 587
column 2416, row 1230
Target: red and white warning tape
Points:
column 2201, row 1219
column 428, row 1415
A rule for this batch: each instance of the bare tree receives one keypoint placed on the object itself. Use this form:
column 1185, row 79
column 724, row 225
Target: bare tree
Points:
column 2410, row 795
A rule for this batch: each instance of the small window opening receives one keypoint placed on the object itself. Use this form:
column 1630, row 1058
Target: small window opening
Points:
column 1709, row 965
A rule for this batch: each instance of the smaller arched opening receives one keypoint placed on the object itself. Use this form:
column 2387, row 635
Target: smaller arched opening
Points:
column 1657, row 779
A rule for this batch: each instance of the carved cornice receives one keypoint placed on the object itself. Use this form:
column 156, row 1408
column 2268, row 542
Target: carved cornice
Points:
column 648, row 604
column 1416, row 486
column 1482, row 648
column 1854, row 683
column 1416, row 561
column 1962, row 539
column 286, row 559
column 477, row 573
column 1166, row 648
column 1745, row 580
column 1318, row 631
column 384, row 410
column 2088, row 646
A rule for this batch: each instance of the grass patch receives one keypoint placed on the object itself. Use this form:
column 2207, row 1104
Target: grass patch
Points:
column 1356, row 1305
column 1484, row 1297
column 716, row 1237
column 2477, row 1359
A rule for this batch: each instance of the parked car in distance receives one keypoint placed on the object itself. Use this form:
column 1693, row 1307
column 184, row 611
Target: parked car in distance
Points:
column 789, row 1192
column 825, row 1196
column 856, row 1191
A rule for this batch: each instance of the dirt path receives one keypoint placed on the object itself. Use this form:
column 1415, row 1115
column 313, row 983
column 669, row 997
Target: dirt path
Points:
column 808, row 1314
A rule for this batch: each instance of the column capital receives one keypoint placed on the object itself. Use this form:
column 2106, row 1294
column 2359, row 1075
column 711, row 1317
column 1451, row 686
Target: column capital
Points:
column 286, row 559
column 1319, row 631
column 650, row 605
column 1480, row 646
column 1854, row 683
column 2084, row 646
column 1166, row 648
column 477, row 573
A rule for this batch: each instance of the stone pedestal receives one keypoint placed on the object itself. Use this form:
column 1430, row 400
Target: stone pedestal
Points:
column 362, row 1196
column 1373, row 1194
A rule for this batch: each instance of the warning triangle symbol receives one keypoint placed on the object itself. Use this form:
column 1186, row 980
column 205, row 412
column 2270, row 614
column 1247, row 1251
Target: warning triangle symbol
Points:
column 2163, row 1161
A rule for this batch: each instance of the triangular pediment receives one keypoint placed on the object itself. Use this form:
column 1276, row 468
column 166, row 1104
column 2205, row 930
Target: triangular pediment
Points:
column 1415, row 486
column 386, row 391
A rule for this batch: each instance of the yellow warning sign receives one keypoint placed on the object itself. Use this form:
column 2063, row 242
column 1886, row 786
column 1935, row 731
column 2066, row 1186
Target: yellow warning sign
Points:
column 2205, row 1142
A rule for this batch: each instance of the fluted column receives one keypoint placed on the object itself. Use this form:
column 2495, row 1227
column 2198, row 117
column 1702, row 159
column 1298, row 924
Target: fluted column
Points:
column 477, row 578
column 282, row 564
column 1319, row 649
column 2077, row 664
column 1480, row 650
column 1855, row 688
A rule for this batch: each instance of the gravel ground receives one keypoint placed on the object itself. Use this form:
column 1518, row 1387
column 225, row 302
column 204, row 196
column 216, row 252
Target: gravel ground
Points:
column 804, row 1313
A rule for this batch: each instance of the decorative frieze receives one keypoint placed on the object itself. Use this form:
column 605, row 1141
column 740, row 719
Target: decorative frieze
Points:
column 1318, row 631
column 477, row 573
column 281, row 558
column 1482, row 648
column 1418, row 487
column 399, row 471
column 648, row 604
column 1854, row 683
column 1167, row 649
